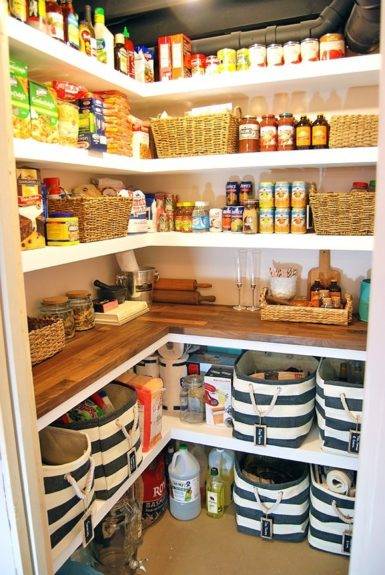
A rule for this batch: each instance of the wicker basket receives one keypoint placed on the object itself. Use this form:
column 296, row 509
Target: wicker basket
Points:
column 343, row 213
column 46, row 337
column 353, row 131
column 101, row 218
column 306, row 314
column 196, row 135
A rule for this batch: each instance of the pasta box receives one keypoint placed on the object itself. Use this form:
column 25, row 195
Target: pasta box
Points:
column 21, row 119
column 217, row 385
column 44, row 113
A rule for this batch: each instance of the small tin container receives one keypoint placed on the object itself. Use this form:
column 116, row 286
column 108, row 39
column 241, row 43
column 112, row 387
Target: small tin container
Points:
column 245, row 192
column 227, row 60
column 243, row 59
column 212, row 66
column 266, row 195
column 250, row 217
column 282, row 195
column 237, row 219
column 274, row 55
column 257, row 56
column 292, row 53
column 282, row 221
column 310, row 50
column 298, row 195
column 266, row 221
column 198, row 65
column 226, row 219
column 215, row 219
column 62, row 229
column 232, row 193
column 298, row 221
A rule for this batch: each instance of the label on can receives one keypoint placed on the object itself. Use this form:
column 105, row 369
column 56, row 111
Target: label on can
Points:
column 232, row 193
column 266, row 221
column 266, row 198
column 245, row 192
column 227, row 60
column 212, row 66
column 298, row 221
column 237, row 218
column 257, row 55
column 274, row 55
column 215, row 220
column 282, row 221
column 298, row 195
column 226, row 219
column 198, row 64
column 282, row 195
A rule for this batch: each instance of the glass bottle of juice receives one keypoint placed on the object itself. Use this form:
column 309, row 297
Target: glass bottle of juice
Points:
column 320, row 133
column 71, row 25
column 87, row 33
column 215, row 495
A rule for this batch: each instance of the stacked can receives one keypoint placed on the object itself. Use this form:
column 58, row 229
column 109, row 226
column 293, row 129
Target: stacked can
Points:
column 298, row 205
column 282, row 207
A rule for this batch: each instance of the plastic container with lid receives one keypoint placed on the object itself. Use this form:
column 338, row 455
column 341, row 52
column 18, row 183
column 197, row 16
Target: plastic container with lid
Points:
column 268, row 133
column 285, row 132
column 62, row 229
column 184, row 474
column 332, row 46
column 192, row 405
column 248, row 134
column 82, row 306
column 59, row 307
column 200, row 217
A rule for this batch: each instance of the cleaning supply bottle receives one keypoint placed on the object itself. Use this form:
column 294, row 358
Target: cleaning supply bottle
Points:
column 223, row 460
column 199, row 453
column 185, row 497
column 215, row 495
column 130, row 49
column 104, row 39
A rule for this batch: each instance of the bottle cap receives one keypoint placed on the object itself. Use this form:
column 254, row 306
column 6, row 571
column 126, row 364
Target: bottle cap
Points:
column 99, row 16
column 213, row 471
column 55, row 300
column 183, row 447
column 126, row 33
column 119, row 39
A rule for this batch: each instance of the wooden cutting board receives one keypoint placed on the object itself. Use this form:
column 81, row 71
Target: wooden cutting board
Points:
column 323, row 272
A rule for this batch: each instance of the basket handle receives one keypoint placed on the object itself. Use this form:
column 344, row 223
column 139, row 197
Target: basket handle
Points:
column 269, row 409
column 82, row 493
column 237, row 112
column 263, row 507
column 355, row 418
column 262, row 297
column 123, row 429
column 344, row 518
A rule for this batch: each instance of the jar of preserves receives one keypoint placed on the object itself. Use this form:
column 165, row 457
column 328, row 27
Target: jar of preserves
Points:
column 320, row 133
column 83, row 309
column 178, row 219
column 248, row 134
column 359, row 187
column 59, row 307
column 250, row 217
column 285, row 132
column 198, row 65
column 292, row 53
column 212, row 66
column 257, row 56
column 268, row 133
column 227, row 60
column 243, row 59
column 274, row 55
column 188, row 208
column 192, row 403
column 303, row 134
column 200, row 217
column 310, row 50
column 332, row 46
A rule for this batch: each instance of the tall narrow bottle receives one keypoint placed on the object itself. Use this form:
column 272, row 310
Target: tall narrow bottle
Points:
column 215, row 495
column 130, row 49
column 104, row 39
column 71, row 25
column 121, row 63
column 87, row 33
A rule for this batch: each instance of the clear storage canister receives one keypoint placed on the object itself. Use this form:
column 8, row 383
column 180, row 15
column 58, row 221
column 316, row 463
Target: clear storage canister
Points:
column 59, row 307
column 192, row 404
column 82, row 306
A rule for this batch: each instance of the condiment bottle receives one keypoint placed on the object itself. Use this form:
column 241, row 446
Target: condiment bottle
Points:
column 268, row 133
column 55, row 21
column 359, row 187
column 121, row 60
column 286, row 132
column 130, row 49
column 215, row 495
column 303, row 134
column 335, row 293
column 18, row 9
column 320, row 133
column 37, row 15
column 87, row 33
column 71, row 25
column 248, row 134
column 104, row 39
column 315, row 289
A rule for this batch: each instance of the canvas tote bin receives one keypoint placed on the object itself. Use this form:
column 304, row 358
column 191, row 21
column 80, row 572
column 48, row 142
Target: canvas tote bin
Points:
column 279, row 510
column 115, row 440
column 331, row 518
column 271, row 412
column 339, row 405
column 68, row 474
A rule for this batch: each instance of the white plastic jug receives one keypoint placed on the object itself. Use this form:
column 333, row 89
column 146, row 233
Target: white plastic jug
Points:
column 223, row 460
column 184, row 473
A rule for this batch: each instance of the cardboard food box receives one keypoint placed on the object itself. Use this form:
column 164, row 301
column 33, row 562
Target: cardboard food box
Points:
column 44, row 113
column 180, row 56
column 31, row 221
column 164, row 58
column 201, row 362
column 21, row 117
column 218, row 395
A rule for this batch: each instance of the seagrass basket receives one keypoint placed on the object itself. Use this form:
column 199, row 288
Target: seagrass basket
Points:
column 343, row 213
column 353, row 131
column 321, row 315
column 196, row 135
column 46, row 338
column 101, row 218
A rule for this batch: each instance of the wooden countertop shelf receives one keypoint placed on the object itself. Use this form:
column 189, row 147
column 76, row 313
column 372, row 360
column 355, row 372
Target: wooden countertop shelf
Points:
column 92, row 356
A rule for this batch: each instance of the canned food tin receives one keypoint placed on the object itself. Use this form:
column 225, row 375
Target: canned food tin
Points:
column 282, row 195
column 310, row 50
column 298, row 194
column 232, row 193
column 245, row 192
column 275, row 55
column 227, row 60
column 266, row 195
column 212, row 66
column 237, row 219
column 282, row 221
column 266, row 221
column 226, row 219
column 243, row 59
column 250, row 218
column 332, row 46
column 215, row 220
column 257, row 56
column 62, row 231
column 292, row 53
column 198, row 64
column 298, row 221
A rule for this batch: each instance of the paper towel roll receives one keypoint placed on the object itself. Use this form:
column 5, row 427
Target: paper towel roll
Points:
column 339, row 480
column 172, row 351
column 171, row 372
column 148, row 366
column 127, row 261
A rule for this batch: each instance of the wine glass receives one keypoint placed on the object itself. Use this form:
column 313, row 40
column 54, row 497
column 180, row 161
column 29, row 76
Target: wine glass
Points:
column 254, row 266
column 240, row 265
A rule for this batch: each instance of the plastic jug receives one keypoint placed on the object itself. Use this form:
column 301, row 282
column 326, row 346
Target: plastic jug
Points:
column 223, row 460
column 185, row 497
column 198, row 451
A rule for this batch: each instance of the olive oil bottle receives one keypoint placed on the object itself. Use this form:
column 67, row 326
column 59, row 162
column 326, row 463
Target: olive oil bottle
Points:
column 215, row 495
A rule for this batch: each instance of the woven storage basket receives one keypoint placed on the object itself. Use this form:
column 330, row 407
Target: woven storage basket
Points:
column 343, row 213
column 353, row 131
column 306, row 314
column 46, row 337
column 101, row 218
column 195, row 135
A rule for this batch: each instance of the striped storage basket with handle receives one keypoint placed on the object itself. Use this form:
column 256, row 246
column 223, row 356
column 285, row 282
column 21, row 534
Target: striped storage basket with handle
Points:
column 339, row 405
column 68, row 474
column 278, row 510
column 271, row 412
column 115, row 440
column 331, row 517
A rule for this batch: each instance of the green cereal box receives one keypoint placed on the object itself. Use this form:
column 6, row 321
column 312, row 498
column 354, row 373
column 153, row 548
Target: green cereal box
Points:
column 18, row 72
column 44, row 113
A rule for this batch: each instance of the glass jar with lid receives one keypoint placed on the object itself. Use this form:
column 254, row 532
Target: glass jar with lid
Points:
column 178, row 219
column 82, row 306
column 286, row 132
column 187, row 214
column 200, row 217
column 59, row 307
column 268, row 133
column 248, row 134
column 192, row 402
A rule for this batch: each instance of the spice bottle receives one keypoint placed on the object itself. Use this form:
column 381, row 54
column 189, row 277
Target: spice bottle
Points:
column 121, row 60
column 130, row 49
column 315, row 289
column 286, row 132
column 335, row 294
column 303, row 134
column 37, row 15
column 87, row 33
column 248, row 134
column 55, row 21
column 71, row 25
column 320, row 133
column 18, row 9
column 268, row 133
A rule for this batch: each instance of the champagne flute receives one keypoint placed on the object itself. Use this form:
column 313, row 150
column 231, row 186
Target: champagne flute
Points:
column 254, row 264
column 239, row 274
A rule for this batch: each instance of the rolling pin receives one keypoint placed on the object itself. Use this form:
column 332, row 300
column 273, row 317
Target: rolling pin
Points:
column 185, row 297
column 179, row 284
